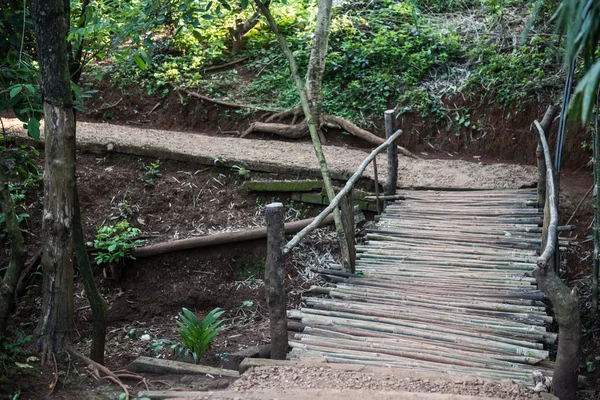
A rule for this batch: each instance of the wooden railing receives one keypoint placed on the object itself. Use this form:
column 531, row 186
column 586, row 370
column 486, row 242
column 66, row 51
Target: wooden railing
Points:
column 547, row 197
column 277, row 249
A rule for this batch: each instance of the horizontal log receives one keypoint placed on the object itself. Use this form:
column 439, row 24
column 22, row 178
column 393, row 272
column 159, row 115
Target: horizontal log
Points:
column 161, row 366
column 220, row 238
column 283, row 186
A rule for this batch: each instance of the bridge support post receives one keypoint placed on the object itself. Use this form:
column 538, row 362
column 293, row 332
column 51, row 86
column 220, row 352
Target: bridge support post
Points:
column 392, row 156
column 347, row 209
column 274, row 281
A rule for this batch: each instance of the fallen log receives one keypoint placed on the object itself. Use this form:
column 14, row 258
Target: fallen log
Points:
column 160, row 366
column 220, row 238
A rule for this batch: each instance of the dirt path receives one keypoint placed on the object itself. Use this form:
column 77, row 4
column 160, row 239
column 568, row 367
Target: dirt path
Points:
column 289, row 157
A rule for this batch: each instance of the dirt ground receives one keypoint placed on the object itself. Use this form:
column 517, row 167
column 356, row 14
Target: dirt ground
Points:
column 186, row 200
column 270, row 155
column 290, row 378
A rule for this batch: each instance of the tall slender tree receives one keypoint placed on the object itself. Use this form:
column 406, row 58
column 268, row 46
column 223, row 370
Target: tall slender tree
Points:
column 55, row 326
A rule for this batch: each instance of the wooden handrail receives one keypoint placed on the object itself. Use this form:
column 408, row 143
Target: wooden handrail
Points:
column 550, row 248
column 336, row 200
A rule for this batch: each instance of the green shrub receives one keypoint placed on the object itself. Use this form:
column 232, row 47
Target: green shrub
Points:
column 196, row 335
column 115, row 242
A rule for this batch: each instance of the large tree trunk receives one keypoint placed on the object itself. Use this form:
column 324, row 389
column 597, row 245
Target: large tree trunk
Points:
column 56, row 322
column 18, row 253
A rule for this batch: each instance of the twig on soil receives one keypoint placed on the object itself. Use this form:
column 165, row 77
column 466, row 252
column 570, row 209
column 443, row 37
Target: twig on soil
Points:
column 110, row 105
column 55, row 375
column 580, row 203
column 267, row 64
column 68, row 370
column 153, row 108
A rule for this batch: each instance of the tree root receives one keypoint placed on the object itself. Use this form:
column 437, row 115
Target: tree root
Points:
column 350, row 127
column 114, row 377
column 289, row 131
column 285, row 114
column 297, row 131
column 214, row 101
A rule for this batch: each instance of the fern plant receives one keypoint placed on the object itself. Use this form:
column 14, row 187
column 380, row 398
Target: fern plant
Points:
column 196, row 335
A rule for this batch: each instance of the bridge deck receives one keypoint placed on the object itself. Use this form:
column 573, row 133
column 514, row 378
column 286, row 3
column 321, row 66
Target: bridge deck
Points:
column 444, row 285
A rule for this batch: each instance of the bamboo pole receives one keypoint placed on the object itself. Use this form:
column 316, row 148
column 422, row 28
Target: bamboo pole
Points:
column 550, row 246
column 334, row 203
column 377, row 201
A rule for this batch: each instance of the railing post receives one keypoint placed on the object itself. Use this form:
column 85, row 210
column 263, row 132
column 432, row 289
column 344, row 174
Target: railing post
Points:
column 392, row 156
column 377, row 202
column 274, row 281
column 541, row 183
column 347, row 209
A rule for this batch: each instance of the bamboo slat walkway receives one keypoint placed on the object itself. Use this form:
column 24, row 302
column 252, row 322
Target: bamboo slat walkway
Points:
column 444, row 285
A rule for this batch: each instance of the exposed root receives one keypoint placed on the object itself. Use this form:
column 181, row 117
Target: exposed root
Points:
column 348, row 126
column 55, row 375
column 219, row 102
column 297, row 131
column 224, row 67
column 295, row 112
column 289, row 131
column 114, row 377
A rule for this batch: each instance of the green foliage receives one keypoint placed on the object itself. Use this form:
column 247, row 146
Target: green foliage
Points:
column 151, row 173
column 115, row 242
column 22, row 171
column 375, row 53
column 15, row 359
column 196, row 335
column 577, row 25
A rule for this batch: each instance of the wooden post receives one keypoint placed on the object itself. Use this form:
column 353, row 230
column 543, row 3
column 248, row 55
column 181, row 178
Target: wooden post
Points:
column 274, row 281
column 392, row 156
column 541, row 183
column 376, row 186
column 347, row 208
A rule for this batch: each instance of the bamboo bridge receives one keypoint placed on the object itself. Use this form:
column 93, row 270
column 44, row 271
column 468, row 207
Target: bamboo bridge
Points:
column 445, row 281
column 443, row 284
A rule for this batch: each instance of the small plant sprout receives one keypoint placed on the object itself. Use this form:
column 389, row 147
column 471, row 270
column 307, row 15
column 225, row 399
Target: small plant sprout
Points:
column 152, row 173
column 115, row 242
column 133, row 334
column 196, row 335
column 218, row 160
column 240, row 170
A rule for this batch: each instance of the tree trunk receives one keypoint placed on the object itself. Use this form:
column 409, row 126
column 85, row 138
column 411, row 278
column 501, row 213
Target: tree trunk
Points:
column 56, row 322
column 95, row 299
column 18, row 253
column 242, row 28
column 596, row 270
column 318, row 56
column 313, row 129
column 566, row 312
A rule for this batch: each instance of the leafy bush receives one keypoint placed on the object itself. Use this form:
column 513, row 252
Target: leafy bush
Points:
column 22, row 169
column 196, row 335
column 115, row 242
